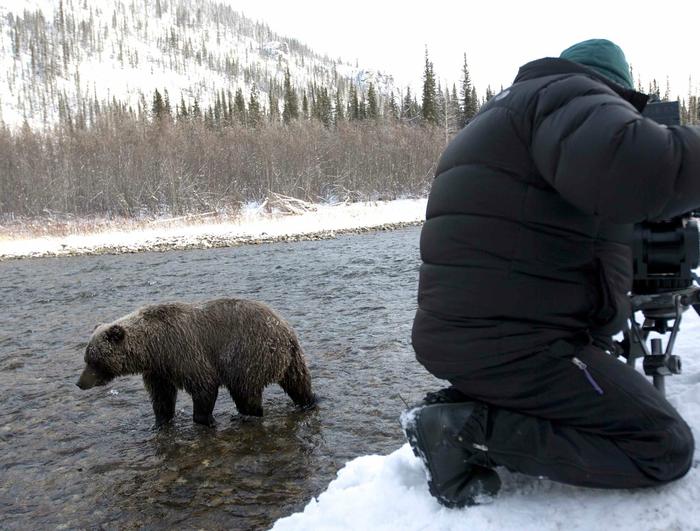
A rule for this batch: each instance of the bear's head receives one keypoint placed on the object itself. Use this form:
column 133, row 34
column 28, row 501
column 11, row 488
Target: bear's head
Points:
column 105, row 356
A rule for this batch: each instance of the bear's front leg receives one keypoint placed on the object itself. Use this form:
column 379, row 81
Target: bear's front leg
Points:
column 203, row 401
column 163, row 396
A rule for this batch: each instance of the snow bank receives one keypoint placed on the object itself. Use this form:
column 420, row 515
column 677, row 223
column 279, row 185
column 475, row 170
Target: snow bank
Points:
column 253, row 226
column 391, row 492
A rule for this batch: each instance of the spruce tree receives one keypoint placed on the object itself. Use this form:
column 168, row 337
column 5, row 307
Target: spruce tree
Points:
column 273, row 105
column 441, row 105
column 654, row 90
column 324, row 109
column 409, row 110
column 454, row 99
column 239, row 107
column 315, row 109
column 690, row 113
column 291, row 102
column 429, row 108
column 226, row 118
column 183, row 108
column 305, row 106
column 393, row 107
column 339, row 114
column 158, row 106
column 372, row 105
column 469, row 104
column 254, row 111
column 362, row 111
column 217, row 110
column 353, row 103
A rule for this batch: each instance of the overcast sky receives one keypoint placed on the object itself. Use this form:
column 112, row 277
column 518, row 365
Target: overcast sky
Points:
column 659, row 38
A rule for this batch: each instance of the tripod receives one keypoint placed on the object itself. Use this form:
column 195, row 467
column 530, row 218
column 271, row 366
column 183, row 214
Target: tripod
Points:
column 662, row 314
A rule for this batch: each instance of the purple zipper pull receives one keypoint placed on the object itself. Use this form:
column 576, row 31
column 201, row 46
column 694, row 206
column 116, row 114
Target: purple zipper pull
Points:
column 581, row 365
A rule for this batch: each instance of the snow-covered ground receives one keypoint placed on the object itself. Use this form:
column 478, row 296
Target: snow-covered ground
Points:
column 390, row 492
column 253, row 226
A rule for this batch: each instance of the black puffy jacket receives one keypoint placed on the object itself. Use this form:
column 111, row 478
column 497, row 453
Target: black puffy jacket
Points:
column 529, row 220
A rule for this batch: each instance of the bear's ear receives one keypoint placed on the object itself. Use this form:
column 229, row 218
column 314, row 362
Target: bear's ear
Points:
column 115, row 333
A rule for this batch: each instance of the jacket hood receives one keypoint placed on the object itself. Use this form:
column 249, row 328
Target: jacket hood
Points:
column 604, row 57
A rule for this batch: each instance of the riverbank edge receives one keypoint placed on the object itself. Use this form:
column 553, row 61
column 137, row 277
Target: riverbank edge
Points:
column 209, row 241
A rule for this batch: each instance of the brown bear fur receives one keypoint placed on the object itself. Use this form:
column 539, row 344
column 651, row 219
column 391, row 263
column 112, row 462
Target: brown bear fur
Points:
column 240, row 344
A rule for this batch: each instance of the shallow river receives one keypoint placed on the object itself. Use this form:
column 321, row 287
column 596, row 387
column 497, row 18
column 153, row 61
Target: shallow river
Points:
column 92, row 459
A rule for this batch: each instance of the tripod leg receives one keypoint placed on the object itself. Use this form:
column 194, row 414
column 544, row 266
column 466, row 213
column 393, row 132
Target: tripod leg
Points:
column 659, row 379
column 660, row 384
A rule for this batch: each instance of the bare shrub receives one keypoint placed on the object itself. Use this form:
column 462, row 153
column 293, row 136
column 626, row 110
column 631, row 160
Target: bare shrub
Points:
column 123, row 166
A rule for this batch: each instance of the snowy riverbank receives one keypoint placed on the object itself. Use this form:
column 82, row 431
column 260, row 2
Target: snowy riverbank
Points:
column 253, row 226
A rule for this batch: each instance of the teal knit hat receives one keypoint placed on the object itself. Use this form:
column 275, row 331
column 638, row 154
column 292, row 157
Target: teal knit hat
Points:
column 603, row 56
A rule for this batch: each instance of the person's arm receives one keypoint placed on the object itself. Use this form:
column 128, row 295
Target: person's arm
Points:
column 686, row 186
column 606, row 159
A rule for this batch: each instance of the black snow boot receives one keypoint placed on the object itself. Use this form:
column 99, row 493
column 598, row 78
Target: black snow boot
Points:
column 458, row 467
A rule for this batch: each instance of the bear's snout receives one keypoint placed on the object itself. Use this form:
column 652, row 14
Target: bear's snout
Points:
column 88, row 379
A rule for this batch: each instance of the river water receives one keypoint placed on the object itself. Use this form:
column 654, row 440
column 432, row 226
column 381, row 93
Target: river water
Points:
column 92, row 459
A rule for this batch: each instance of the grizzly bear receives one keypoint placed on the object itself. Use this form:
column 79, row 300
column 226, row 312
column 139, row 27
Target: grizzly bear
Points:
column 240, row 344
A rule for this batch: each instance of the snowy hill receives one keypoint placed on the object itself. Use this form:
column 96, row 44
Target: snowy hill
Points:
column 391, row 492
column 76, row 53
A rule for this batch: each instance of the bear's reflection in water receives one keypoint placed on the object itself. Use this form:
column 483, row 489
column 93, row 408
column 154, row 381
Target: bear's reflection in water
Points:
column 239, row 469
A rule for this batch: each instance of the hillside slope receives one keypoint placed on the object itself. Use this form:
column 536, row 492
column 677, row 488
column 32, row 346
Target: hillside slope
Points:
column 76, row 54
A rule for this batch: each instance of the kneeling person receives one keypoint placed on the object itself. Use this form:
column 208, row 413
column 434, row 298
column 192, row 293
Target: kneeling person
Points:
column 526, row 272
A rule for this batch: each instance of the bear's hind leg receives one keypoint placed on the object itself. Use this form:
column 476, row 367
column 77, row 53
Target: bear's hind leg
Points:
column 296, row 382
column 203, row 401
column 163, row 396
column 247, row 403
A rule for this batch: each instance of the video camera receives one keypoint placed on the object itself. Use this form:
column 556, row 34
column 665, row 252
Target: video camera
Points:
column 665, row 253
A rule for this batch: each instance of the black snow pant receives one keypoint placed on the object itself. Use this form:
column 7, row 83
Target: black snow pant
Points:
column 576, row 415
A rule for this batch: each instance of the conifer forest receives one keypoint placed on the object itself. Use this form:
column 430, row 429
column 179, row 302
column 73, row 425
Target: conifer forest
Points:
column 206, row 110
